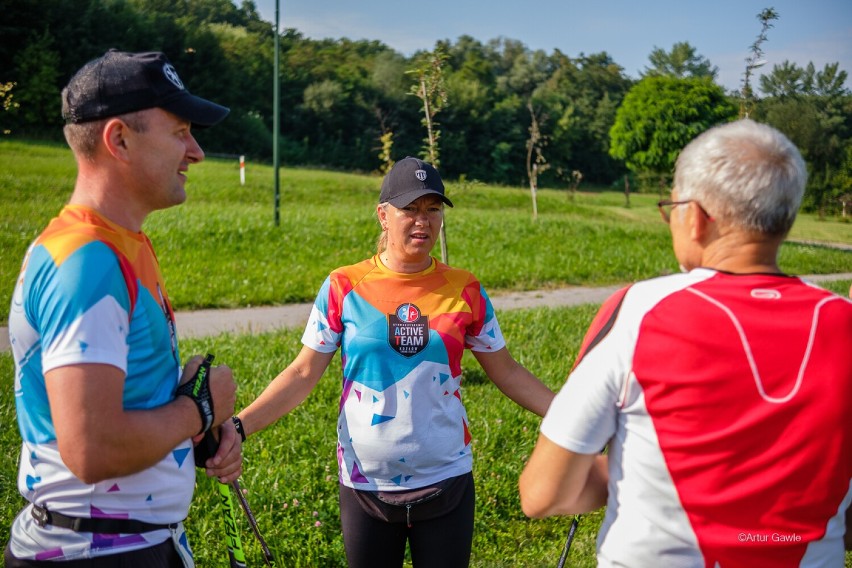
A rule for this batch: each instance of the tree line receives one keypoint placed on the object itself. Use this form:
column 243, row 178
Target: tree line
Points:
column 506, row 114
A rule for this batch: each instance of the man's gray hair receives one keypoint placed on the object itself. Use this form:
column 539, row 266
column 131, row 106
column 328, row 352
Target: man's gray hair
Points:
column 744, row 173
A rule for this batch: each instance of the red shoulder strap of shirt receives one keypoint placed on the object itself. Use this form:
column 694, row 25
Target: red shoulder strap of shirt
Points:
column 602, row 324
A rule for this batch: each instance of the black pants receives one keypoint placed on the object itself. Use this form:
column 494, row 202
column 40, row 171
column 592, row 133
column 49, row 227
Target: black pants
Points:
column 161, row 555
column 442, row 542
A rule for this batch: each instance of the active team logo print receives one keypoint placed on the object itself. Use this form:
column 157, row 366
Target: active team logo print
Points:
column 408, row 330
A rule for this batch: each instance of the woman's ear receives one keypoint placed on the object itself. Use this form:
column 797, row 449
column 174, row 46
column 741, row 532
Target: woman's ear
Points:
column 382, row 214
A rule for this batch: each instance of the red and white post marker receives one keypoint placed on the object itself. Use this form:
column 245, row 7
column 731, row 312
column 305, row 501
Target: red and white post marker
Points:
column 242, row 170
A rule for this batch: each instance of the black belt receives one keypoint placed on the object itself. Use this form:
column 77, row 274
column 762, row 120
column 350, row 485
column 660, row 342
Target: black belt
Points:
column 101, row 526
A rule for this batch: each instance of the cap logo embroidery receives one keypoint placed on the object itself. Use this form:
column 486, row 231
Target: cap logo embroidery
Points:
column 171, row 74
column 420, row 174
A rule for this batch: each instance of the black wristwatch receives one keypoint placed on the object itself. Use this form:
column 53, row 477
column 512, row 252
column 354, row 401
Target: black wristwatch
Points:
column 238, row 426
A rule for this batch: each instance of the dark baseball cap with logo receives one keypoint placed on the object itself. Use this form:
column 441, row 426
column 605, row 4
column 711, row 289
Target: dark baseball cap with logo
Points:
column 409, row 179
column 121, row 82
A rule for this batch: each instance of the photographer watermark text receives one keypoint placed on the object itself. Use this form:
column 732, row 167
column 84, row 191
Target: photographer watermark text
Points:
column 768, row 537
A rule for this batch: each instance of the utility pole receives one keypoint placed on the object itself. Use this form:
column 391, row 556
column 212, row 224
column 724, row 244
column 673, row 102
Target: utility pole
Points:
column 276, row 113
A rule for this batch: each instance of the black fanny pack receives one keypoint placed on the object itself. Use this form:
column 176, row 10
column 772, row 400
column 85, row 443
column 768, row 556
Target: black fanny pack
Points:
column 415, row 505
column 43, row 517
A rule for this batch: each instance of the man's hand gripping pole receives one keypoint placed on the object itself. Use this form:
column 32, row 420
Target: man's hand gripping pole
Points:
column 205, row 450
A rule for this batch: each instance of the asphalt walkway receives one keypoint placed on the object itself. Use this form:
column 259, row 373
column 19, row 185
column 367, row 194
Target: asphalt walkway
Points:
column 205, row 323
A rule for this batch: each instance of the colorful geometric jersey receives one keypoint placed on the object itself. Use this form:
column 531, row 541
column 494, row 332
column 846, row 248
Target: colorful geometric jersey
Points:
column 723, row 400
column 91, row 292
column 402, row 424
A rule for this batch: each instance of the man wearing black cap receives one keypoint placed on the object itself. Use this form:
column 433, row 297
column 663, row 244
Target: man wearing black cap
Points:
column 106, row 463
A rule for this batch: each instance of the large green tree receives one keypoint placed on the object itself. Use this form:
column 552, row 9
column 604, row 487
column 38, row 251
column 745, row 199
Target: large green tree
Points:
column 337, row 97
column 39, row 62
column 660, row 115
column 586, row 91
column 486, row 126
column 814, row 109
column 682, row 61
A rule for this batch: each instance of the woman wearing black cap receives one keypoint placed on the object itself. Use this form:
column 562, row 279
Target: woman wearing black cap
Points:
column 403, row 320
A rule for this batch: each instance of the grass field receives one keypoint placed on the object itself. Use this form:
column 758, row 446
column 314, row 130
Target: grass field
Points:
column 221, row 249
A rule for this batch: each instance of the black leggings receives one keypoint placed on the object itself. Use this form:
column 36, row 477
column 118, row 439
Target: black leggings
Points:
column 443, row 541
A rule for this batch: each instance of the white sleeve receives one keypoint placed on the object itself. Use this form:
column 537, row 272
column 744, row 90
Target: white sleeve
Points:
column 584, row 414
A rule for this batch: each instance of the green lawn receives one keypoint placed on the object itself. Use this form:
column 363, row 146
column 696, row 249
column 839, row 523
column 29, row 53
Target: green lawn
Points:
column 221, row 249
column 291, row 469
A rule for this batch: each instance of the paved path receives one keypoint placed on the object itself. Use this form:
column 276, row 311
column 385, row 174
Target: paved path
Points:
column 203, row 323
column 256, row 320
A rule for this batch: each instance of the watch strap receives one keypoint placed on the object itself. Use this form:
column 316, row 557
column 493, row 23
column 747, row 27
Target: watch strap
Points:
column 238, row 426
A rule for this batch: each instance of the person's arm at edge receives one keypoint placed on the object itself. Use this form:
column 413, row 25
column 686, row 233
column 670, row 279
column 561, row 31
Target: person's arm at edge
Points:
column 514, row 380
column 557, row 481
column 286, row 391
column 847, row 537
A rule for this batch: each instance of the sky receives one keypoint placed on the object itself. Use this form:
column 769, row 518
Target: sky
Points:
column 818, row 31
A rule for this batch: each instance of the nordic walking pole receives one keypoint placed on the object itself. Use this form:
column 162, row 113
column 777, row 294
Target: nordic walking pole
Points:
column 267, row 554
column 236, row 554
column 571, row 531
column 205, row 449
column 568, row 541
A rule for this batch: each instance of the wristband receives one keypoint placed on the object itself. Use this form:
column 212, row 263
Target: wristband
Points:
column 238, row 426
column 198, row 389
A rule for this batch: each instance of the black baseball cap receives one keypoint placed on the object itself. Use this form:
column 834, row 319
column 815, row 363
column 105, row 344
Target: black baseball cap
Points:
column 409, row 179
column 120, row 82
